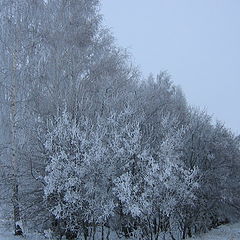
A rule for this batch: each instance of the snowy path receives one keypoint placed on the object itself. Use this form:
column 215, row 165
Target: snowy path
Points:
column 226, row 232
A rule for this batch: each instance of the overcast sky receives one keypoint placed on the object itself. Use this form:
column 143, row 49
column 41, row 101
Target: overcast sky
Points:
column 196, row 41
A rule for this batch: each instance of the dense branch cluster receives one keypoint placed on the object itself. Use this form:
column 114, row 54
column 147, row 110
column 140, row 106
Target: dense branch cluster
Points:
column 90, row 149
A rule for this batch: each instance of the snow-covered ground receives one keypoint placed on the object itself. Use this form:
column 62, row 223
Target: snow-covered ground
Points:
column 10, row 236
column 226, row 232
column 6, row 233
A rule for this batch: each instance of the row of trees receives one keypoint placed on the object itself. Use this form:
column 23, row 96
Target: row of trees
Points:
column 88, row 146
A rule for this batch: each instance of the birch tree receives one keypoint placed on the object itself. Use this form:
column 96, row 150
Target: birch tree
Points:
column 16, row 42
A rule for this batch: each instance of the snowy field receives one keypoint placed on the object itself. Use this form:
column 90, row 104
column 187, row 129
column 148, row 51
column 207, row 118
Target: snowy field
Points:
column 7, row 234
column 227, row 232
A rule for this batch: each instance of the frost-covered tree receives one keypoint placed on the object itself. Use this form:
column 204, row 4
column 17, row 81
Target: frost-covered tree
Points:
column 85, row 145
column 97, row 173
column 80, row 54
column 79, row 69
column 78, row 174
column 17, row 60
column 171, row 184
column 85, row 162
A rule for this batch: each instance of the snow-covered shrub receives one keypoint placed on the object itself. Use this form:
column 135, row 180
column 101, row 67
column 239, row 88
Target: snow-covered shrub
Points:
column 77, row 186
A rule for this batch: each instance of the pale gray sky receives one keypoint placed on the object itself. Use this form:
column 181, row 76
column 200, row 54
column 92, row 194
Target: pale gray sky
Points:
column 196, row 41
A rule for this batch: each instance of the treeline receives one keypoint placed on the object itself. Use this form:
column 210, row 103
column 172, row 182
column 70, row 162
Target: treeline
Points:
column 89, row 147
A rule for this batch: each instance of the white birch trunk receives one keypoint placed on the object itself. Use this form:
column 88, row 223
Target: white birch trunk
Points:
column 15, row 184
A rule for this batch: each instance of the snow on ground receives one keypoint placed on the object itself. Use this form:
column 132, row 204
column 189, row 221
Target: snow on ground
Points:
column 6, row 233
column 226, row 232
